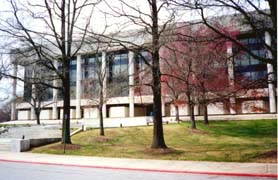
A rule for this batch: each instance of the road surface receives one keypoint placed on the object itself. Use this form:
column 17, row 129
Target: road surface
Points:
column 29, row 171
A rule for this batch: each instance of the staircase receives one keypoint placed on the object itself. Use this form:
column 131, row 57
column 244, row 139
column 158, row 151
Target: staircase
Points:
column 5, row 145
column 33, row 132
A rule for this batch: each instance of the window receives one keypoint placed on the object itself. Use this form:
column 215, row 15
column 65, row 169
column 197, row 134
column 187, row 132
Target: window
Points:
column 118, row 66
column 72, row 75
column 254, row 76
column 140, row 64
column 118, row 74
column 90, row 66
column 72, row 92
column 256, row 47
column 73, row 62
column 140, row 60
column 249, row 68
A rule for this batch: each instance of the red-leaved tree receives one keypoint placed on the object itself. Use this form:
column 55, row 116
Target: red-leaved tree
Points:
column 195, row 69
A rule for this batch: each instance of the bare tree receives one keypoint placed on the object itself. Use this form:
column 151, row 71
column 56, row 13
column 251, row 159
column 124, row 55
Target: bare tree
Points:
column 5, row 112
column 94, row 85
column 38, row 95
column 62, row 29
column 5, row 67
column 154, row 25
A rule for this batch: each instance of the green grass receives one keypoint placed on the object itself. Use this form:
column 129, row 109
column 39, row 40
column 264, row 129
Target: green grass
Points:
column 229, row 141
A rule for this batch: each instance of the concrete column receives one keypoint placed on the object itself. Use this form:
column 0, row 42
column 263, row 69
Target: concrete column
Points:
column 231, row 76
column 104, row 111
column 104, row 75
column 131, row 71
column 196, row 110
column 163, row 106
column 78, row 87
column 33, row 96
column 55, row 96
column 270, row 72
column 13, row 108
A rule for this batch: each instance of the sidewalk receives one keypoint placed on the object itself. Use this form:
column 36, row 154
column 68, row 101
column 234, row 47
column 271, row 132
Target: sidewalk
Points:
column 195, row 167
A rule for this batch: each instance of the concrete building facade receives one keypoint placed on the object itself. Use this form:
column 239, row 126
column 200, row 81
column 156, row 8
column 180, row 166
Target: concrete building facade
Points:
column 126, row 102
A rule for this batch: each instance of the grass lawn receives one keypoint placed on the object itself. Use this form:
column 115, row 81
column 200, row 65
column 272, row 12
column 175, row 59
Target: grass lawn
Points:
column 239, row 141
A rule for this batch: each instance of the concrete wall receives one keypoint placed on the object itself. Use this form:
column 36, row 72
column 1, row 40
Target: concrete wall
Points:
column 24, row 114
column 217, row 108
column 118, row 100
column 91, row 113
column 254, row 106
column 46, row 114
column 21, row 145
column 42, row 141
column 183, row 110
column 143, row 99
column 118, row 111
column 72, row 113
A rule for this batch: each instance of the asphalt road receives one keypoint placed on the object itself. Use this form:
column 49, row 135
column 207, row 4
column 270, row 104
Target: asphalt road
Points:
column 25, row 171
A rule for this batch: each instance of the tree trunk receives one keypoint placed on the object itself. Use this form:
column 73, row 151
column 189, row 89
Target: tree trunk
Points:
column 38, row 116
column 177, row 113
column 192, row 117
column 158, row 136
column 101, row 128
column 66, row 51
column 66, row 115
column 206, row 121
column 100, row 110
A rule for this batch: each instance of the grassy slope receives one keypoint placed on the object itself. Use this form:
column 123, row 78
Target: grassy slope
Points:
column 242, row 141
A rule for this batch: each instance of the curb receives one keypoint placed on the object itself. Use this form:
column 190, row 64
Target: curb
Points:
column 146, row 170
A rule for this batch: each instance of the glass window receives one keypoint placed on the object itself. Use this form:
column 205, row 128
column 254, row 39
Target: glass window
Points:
column 72, row 92
column 244, row 41
column 89, row 67
column 119, row 64
column 73, row 62
column 124, row 69
column 72, row 75
column 259, row 75
column 254, row 61
column 244, row 60
column 141, row 58
column 237, row 62
column 116, row 69
column 92, row 74
column 92, row 60
column 253, row 41
column 118, row 74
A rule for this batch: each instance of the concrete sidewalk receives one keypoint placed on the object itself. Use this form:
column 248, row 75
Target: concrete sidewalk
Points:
column 196, row 167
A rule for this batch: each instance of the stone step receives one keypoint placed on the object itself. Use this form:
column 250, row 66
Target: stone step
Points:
column 5, row 145
column 5, row 148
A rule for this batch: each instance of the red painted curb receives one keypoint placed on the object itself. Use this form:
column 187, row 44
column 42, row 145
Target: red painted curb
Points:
column 148, row 170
